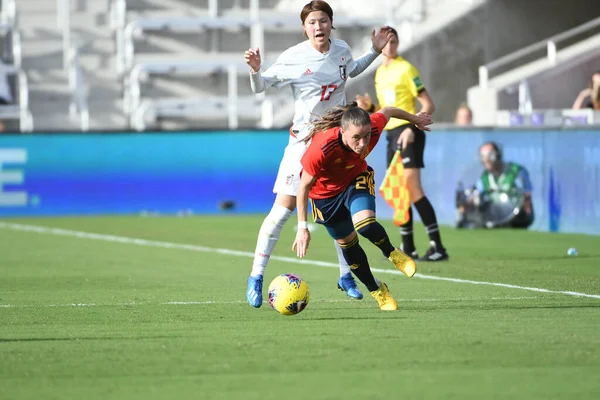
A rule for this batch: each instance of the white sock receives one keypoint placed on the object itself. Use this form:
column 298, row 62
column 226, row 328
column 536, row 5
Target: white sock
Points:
column 344, row 267
column 268, row 236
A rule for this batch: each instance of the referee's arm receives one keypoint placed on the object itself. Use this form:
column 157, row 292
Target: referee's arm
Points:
column 424, row 99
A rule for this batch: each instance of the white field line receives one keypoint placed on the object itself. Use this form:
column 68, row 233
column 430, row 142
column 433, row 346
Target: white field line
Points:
column 210, row 302
column 204, row 249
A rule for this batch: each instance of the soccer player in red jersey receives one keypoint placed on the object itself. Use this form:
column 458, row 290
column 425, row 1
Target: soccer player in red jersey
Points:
column 317, row 70
column 341, row 189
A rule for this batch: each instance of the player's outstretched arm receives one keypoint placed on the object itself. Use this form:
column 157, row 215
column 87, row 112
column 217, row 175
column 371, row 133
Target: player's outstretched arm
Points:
column 253, row 59
column 421, row 120
column 303, row 234
column 379, row 39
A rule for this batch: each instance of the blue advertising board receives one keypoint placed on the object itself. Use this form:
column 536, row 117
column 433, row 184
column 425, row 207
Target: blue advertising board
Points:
column 132, row 173
column 171, row 172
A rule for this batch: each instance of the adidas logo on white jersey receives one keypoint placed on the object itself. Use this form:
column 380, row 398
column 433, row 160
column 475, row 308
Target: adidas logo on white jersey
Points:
column 308, row 72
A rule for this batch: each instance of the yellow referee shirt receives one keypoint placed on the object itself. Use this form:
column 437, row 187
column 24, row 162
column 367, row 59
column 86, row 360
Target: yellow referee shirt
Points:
column 398, row 85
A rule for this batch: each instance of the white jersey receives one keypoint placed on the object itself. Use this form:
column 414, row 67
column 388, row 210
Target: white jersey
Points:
column 318, row 80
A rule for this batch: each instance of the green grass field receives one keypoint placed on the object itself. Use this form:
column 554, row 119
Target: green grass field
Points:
column 100, row 317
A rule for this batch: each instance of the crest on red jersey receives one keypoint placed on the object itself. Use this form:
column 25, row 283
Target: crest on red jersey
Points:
column 343, row 73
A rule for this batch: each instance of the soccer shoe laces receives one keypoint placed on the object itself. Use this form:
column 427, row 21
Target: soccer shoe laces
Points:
column 258, row 285
column 349, row 282
column 380, row 294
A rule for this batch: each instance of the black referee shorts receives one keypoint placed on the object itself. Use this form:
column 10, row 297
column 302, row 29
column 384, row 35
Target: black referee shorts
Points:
column 412, row 155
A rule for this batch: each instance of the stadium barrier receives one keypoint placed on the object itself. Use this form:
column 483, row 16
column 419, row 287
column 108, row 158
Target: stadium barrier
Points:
column 216, row 172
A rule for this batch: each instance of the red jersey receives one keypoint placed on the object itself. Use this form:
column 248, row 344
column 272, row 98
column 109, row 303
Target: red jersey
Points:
column 334, row 165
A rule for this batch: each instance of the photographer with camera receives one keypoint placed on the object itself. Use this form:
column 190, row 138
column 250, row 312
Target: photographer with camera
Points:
column 500, row 198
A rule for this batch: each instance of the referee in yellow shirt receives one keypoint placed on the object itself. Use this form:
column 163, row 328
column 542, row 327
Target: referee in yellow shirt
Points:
column 398, row 84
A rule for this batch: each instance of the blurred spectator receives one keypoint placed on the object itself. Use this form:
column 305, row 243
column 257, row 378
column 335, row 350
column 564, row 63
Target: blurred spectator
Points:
column 500, row 198
column 589, row 97
column 464, row 115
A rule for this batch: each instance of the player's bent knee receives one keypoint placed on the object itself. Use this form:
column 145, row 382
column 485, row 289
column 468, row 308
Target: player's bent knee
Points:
column 365, row 226
column 348, row 240
column 277, row 217
column 372, row 231
column 362, row 215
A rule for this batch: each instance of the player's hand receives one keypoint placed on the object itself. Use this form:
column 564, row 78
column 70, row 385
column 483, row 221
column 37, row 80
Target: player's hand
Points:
column 423, row 121
column 252, row 58
column 364, row 102
column 407, row 136
column 300, row 245
column 381, row 38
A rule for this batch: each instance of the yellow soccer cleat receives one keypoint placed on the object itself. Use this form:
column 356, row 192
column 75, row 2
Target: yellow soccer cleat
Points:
column 384, row 298
column 403, row 262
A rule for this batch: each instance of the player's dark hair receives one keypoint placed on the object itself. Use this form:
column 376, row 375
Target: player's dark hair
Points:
column 355, row 116
column 349, row 115
column 395, row 32
column 316, row 5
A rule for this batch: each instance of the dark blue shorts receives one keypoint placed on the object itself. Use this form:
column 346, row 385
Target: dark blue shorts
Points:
column 336, row 212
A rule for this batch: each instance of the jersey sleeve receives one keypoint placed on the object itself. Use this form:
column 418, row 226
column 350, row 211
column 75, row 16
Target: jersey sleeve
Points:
column 378, row 122
column 523, row 182
column 350, row 62
column 313, row 159
column 361, row 64
column 280, row 73
column 414, row 81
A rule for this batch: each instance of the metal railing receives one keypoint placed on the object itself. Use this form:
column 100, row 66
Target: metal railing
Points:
column 25, row 117
column 133, row 74
column 20, row 110
column 11, row 49
column 63, row 21
column 196, row 108
column 78, row 105
column 124, row 44
column 132, row 100
column 8, row 12
column 8, row 27
column 550, row 44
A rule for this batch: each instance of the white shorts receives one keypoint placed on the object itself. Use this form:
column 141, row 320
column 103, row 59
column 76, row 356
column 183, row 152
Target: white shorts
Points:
column 288, row 177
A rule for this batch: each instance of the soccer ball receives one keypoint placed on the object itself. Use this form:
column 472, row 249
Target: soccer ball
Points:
column 288, row 294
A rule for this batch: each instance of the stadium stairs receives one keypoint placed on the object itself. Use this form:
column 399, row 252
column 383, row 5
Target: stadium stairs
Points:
column 91, row 28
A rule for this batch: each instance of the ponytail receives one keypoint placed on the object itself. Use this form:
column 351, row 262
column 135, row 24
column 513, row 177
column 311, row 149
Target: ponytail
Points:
column 331, row 119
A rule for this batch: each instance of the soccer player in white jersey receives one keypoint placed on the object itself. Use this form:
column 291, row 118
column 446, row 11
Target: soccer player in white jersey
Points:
column 317, row 70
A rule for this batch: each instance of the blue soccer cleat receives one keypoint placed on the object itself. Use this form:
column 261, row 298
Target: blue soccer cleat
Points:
column 347, row 284
column 254, row 291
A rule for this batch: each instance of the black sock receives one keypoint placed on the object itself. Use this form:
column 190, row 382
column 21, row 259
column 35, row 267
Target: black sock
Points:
column 406, row 231
column 359, row 265
column 427, row 214
column 372, row 230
